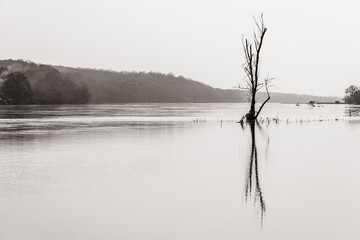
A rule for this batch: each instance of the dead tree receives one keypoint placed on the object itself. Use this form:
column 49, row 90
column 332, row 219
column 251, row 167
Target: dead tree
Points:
column 253, row 84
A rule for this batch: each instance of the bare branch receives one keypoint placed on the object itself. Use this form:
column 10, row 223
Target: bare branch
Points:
column 268, row 98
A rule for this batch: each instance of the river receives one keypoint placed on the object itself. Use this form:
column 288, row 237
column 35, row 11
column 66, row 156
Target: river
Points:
column 178, row 171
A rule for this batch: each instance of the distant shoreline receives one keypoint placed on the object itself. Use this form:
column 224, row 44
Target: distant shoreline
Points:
column 58, row 85
column 169, row 103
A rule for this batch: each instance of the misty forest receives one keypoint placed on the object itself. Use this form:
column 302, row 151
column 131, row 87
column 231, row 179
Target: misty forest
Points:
column 65, row 85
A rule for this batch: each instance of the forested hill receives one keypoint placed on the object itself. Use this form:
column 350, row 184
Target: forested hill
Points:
column 125, row 87
column 138, row 87
column 110, row 86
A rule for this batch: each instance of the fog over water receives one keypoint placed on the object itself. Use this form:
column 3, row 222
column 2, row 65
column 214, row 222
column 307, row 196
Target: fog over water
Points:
column 178, row 171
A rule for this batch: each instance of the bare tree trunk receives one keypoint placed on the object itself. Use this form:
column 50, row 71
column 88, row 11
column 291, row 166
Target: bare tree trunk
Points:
column 251, row 114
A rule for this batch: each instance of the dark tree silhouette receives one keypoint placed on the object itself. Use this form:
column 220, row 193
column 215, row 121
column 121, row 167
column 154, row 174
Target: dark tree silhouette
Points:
column 16, row 90
column 352, row 95
column 312, row 103
column 252, row 51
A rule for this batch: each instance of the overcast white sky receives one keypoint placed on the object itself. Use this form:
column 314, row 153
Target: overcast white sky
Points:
column 312, row 46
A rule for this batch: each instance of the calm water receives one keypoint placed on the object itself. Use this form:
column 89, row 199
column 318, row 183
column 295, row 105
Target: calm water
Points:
column 178, row 171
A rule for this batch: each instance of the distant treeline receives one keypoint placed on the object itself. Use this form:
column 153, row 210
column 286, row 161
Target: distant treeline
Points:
column 46, row 85
column 352, row 95
column 150, row 87
column 62, row 85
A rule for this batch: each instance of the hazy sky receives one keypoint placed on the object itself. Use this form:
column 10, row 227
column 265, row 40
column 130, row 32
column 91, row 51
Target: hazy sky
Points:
column 312, row 46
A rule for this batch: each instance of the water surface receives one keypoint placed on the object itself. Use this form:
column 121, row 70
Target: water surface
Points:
column 178, row 171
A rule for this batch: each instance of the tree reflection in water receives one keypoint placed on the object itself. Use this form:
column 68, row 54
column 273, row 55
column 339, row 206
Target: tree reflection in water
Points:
column 252, row 184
